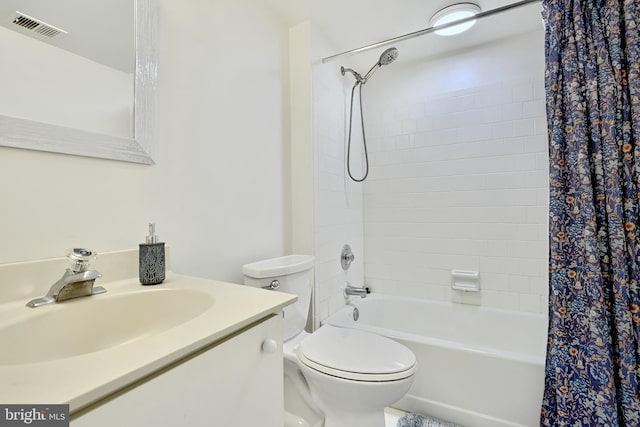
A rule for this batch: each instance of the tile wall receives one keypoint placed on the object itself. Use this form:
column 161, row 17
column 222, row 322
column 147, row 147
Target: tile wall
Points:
column 459, row 180
column 338, row 202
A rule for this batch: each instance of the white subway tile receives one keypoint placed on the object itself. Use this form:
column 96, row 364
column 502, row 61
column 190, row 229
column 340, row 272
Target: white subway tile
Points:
column 528, row 267
column 535, row 144
column 530, row 303
column 534, row 108
column 409, row 126
column 504, row 130
column 424, row 123
column 476, row 133
column 417, row 110
column 542, row 161
column 530, row 232
column 402, row 112
column 472, row 298
column 541, row 125
column 523, row 92
column 512, row 111
column 391, row 128
column 519, row 284
column 467, row 102
column 501, row 95
column 402, row 142
column 490, row 298
column 524, row 127
column 458, row 181
column 434, row 292
column 495, row 264
column 513, row 146
column 540, row 285
column 508, row 300
column 493, row 281
column 497, row 248
column 446, row 105
column 537, row 214
column 539, row 87
column 490, row 114
column 486, row 94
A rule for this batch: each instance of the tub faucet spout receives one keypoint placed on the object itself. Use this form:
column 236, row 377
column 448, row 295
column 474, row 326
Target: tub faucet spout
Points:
column 76, row 281
column 361, row 291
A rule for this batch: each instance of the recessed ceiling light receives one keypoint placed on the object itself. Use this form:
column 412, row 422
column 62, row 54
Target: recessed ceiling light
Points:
column 453, row 13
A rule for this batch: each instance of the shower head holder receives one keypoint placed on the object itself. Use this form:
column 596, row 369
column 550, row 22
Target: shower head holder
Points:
column 386, row 58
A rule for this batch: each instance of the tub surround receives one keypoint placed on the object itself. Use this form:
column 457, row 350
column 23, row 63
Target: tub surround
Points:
column 83, row 379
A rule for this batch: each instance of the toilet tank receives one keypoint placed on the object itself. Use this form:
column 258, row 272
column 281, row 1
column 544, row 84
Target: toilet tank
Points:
column 294, row 275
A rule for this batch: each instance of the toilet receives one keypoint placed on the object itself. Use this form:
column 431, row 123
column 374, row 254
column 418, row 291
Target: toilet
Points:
column 342, row 377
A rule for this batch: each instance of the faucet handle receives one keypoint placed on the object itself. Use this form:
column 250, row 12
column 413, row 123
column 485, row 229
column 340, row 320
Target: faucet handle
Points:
column 80, row 259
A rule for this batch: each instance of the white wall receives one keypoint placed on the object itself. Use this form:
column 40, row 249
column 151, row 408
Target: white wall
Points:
column 218, row 189
column 459, row 175
column 301, row 139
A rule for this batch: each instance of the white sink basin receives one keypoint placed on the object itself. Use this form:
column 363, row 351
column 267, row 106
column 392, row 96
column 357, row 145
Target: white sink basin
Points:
column 82, row 350
column 90, row 324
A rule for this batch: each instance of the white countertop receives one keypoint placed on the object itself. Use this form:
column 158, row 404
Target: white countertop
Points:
column 86, row 378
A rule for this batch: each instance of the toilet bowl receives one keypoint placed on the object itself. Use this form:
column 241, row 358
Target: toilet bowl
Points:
column 346, row 376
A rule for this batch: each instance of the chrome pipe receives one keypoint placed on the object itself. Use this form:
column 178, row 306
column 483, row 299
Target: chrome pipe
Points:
column 429, row 30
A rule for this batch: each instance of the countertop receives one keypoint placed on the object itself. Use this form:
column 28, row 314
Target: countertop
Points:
column 83, row 379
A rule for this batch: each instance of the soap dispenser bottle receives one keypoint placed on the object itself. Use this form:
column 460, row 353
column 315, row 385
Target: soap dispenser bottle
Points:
column 151, row 254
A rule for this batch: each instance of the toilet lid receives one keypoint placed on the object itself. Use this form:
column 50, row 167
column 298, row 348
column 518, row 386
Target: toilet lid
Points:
column 354, row 354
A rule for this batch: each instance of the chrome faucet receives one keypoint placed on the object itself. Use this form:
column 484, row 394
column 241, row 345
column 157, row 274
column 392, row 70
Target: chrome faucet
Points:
column 360, row 291
column 77, row 280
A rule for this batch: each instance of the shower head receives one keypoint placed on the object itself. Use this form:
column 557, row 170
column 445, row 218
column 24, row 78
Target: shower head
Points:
column 388, row 56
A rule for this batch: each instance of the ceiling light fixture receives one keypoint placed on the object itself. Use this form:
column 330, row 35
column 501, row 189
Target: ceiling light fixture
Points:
column 455, row 12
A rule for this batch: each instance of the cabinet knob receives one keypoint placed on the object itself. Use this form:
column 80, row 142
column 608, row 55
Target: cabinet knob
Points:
column 269, row 345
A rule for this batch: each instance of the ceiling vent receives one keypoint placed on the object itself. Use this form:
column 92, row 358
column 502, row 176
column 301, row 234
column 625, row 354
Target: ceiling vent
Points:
column 32, row 24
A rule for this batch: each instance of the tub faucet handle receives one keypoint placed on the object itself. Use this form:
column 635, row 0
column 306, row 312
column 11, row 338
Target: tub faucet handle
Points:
column 346, row 257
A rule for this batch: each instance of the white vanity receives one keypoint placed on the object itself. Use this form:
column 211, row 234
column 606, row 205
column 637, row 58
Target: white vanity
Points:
column 187, row 352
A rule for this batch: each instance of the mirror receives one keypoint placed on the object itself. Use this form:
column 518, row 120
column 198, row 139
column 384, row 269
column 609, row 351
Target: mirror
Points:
column 118, row 118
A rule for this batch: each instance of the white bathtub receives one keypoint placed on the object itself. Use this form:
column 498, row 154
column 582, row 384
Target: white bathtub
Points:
column 477, row 366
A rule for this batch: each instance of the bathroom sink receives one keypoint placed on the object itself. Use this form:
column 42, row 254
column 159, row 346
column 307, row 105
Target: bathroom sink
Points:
column 90, row 324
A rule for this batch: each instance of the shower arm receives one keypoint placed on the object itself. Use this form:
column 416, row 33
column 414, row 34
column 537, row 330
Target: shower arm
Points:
column 357, row 75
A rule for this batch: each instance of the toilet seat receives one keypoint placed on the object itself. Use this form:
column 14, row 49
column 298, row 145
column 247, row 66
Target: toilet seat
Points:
column 356, row 355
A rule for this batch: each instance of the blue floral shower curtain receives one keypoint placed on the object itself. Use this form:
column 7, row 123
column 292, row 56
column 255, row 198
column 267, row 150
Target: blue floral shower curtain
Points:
column 593, row 112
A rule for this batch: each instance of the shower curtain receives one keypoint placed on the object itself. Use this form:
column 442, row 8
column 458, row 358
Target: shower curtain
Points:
column 593, row 112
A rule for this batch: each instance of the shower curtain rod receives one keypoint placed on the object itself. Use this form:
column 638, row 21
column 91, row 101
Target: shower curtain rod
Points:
column 432, row 29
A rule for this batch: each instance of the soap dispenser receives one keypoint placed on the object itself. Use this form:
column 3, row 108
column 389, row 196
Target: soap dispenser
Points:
column 151, row 254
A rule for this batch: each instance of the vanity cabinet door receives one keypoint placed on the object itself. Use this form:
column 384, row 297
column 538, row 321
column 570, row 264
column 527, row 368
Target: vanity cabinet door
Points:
column 236, row 383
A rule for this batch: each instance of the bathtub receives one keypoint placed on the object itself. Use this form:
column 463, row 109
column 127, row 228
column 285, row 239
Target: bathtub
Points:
column 477, row 366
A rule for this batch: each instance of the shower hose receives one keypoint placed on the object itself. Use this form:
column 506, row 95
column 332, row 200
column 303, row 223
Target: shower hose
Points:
column 364, row 138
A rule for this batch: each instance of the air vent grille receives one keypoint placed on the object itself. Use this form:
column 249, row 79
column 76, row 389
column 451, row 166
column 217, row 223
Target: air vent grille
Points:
column 32, row 24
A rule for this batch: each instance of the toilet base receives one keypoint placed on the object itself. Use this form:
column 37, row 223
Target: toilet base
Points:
column 299, row 411
column 320, row 399
column 348, row 403
column 354, row 419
